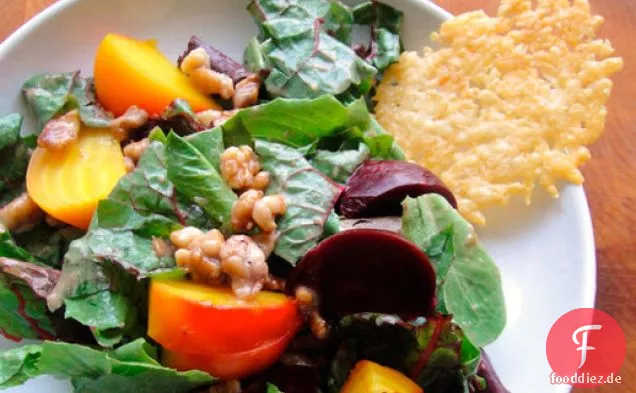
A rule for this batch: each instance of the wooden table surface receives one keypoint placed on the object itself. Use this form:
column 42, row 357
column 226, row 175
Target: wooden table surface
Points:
column 610, row 176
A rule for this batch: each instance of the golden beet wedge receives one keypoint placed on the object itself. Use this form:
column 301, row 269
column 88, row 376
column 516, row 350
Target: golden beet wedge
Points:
column 68, row 184
column 210, row 323
column 233, row 365
column 133, row 72
column 369, row 377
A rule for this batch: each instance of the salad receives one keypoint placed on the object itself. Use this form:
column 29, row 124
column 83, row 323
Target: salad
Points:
column 206, row 225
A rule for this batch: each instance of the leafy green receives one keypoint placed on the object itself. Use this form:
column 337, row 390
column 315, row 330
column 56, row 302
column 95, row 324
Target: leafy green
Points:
column 146, row 194
column 432, row 351
column 273, row 389
column 99, row 277
column 194, row 176
column 14, row 157
column 47, row 244
column 53, row 94
column 9, row 248
column 254, row 56
column 132, row 368
column 296, row 122
column 381, row 143
column 469, row 281
column 332, row 225
column 156, row 134
column 303, row 46
column 10, row 129
column 306, row 62
column 210, row 144
column 339, row 165
column 98, row 294
column 310, row 198
column 337, row 17
column 23, row 311
column 386, row 26
column 91, row 113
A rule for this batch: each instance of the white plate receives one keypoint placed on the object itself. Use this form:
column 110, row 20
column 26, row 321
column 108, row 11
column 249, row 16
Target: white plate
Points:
column 545, row 251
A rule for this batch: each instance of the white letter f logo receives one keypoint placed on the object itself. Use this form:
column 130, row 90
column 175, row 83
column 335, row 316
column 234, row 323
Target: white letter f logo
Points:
column 583, row 345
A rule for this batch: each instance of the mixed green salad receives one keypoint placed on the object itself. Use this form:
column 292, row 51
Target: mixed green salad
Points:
column 211, row 226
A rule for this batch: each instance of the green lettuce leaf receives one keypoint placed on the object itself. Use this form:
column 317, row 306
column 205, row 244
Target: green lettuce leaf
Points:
column 99, row 294
column 337, row 17
column 210, row 144
column 23, row 310
column 296, row 122
column 310, row 198
column 196, row 177
column 307, row 62
column 10, row 129
column 14, row 157
column 435, row 352
column 339, row 165
column 46, row 244
column 99, row 283
column 9, row 248
column 385, row 23
column 132, row 368
column 469, row 282
column 380, row 143
column 53, row 94
column 332, row 225
column 273, row 389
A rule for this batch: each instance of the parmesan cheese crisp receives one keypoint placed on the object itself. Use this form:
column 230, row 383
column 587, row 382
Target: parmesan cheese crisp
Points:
column 506, row 103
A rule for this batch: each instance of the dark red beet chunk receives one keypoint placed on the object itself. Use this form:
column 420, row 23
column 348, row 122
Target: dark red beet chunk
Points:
column 367, row 270
column 377, row 188
column 219, row 61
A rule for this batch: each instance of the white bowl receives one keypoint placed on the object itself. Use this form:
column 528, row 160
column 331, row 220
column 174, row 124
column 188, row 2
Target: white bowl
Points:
column 545, row 251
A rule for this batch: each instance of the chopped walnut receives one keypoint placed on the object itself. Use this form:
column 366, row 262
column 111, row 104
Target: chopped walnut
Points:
column 240, row 167
column 244, row 262
column 199, row 252
column 266, row 241
column 305, row 298
column 160, row 247
column 273, row 283
column 196, row 65
column 318, row 325
column 208, row 117
column 134, row 117
column 246, row 92
column 214, row 118
column 252, row 207
column 266, row 209
column 211, row 82
column 20, row 214
column 308, row 305
column 129, row 164
column 184, row 236
column 242, row 210
column 261, row 180
column 197, row 58
column 135, row 150
column 60, row 132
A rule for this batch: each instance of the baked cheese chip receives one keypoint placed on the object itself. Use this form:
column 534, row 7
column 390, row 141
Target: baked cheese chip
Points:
column 506, row 103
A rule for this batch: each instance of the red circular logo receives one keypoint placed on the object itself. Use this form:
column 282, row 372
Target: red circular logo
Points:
column 585, row 348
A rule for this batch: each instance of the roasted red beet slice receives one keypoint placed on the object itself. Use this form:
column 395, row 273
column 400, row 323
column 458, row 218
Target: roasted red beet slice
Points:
column 377, row 188
column 367, row 270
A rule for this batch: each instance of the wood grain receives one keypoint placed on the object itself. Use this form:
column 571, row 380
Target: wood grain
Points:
column 611, row 175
